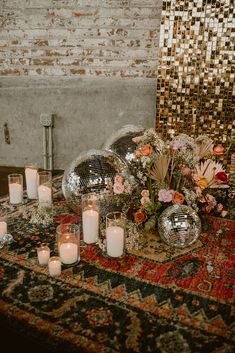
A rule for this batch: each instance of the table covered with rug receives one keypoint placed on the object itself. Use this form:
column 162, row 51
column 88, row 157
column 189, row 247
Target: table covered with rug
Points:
column 155, row 299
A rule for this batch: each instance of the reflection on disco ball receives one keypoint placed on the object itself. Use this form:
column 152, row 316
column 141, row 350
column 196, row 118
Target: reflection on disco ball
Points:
column 121, row 142
column 92, row 171
column 179, row 226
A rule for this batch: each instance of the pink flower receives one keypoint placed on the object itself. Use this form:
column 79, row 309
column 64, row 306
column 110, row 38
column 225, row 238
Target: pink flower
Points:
column 165, row 195
column 137, row 139
column 118, row 188
column 218, row 150
column 145, row 193
column 144, row 200
column 118, row 179
column 211, row 200
column 137, row 154
column 219, row 207
column 224, row 213
column 198, row 191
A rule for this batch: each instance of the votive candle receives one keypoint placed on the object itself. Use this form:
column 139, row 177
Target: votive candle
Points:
column 43, row 254
column 54, row 266
column 68, row 253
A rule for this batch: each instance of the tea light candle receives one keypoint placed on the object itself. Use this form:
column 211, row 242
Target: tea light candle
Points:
column 3, row 229
column 31, row 176
column 68, row 253
column 44, row 194
column 90, row 224
column 15, row 193
column 43, row 255
column 54, row 266
column 115, row 241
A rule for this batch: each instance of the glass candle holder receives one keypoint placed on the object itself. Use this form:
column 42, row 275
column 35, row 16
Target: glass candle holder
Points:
column 15, row 183
column 44, row 188
column 31, row 177
column 3, row 228
column 54, row 266
column 90, row 218
column 43, row 252
column 68, row 240
column 115, row 234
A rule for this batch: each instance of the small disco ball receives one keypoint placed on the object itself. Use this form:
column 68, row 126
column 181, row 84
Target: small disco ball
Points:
column 92, row 171
column 179, row 226
column 121, row 142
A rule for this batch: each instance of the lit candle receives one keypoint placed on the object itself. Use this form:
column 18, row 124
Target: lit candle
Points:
column 3, row 229
column 68, row 253
column 31, row 176
column 44, row 194
column 115, row 241
column 43, row 255
column 54, row 266
column 90, row 225
column 16, row 193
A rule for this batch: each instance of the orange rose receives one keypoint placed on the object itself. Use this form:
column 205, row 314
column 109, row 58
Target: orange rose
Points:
column 146, row 150
column 178, row 198
column 140, row 216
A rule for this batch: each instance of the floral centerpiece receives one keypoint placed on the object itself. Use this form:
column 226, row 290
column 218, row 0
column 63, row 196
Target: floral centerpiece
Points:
column 184, row 170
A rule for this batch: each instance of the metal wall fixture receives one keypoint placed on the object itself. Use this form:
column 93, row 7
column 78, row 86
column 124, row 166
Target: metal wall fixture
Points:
column 47, row 121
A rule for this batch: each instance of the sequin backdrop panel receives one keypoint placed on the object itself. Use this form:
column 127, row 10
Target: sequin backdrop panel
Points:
column 195, row 87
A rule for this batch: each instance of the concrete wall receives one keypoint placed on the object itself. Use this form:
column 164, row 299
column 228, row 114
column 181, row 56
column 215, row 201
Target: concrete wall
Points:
column 93, row 63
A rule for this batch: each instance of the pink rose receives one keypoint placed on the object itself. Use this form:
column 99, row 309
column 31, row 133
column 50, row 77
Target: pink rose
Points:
column 137, row 139
column 118, row 188
column 144, row 200
column 145, row 193
column 118, row 179
column 165, row 195
column 224, row 213
column 219, row 207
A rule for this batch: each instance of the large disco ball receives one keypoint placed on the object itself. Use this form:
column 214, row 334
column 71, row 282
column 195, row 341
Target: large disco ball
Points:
column 91, row 171
column 179, row 226
column 121, row 142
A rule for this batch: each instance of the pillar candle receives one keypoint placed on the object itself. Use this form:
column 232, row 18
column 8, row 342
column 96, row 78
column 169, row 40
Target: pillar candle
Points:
column 15, row 193
column 68, row 253
column 90, row 224
column 54, row 267
column 115, row 241
column 31, row 176
column 3, row 229
column 44, row 194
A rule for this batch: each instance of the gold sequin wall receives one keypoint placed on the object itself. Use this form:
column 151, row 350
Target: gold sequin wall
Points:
column 195, row 87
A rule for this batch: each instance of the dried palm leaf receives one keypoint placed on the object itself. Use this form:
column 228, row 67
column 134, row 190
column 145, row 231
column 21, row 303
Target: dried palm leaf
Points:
column 159, row 168
column 204, row 148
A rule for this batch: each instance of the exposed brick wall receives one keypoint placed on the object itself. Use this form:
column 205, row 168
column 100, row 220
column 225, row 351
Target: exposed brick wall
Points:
column 109, row 38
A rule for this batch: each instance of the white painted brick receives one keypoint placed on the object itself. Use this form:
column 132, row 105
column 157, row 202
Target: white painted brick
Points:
column 113, row 38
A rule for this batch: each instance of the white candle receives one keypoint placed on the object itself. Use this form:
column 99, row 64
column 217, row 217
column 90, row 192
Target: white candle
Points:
column 43, row 256
column 115, row 241
column 31, row 176
column 68, row 253
column 3, row 229
column 16, row 193
column 90, row 225
column 54, row 267
column 44, row 194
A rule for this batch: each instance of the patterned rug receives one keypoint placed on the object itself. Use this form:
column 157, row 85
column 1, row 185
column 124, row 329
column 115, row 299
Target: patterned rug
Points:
column 152, row 300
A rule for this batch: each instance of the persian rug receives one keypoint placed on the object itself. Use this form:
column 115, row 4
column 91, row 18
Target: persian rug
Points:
column 155, row 299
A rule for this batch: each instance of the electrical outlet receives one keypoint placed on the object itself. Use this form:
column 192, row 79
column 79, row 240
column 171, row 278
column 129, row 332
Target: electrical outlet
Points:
column 46, row 119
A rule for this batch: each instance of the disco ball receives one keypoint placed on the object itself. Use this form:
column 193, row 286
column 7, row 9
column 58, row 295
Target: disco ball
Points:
column 179, row 226
column 121, row 143
column 91, row 171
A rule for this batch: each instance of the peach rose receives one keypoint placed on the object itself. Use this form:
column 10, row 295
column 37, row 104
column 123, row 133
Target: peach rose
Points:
column 219, row 207
column 140, row 216
column 118, row 188
column 146, row 150
column 118, row 179
column 218, row 150
column 178, row 198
